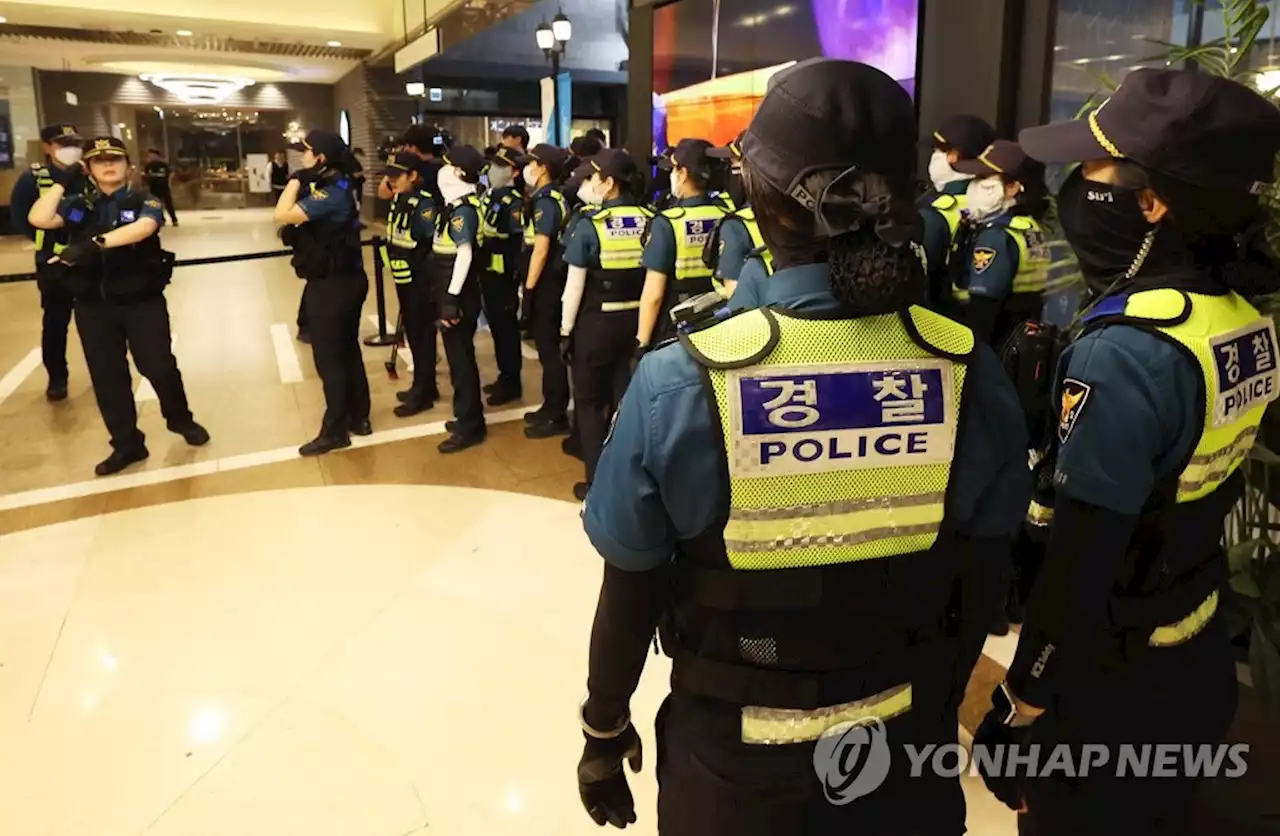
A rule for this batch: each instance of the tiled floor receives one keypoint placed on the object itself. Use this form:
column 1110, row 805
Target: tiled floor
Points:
column 376, row 660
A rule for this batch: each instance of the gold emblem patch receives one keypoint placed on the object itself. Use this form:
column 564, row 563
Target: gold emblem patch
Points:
column 1074, row 397
column 983, row 257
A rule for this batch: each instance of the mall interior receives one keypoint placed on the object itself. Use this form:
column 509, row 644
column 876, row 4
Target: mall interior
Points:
column 387, row 640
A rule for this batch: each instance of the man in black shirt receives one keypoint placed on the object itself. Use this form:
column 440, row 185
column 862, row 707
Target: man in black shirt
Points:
column 279, row 175
column 158, row 174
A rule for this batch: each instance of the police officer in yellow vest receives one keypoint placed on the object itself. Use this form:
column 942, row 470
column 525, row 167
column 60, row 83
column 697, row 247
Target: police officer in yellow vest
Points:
column 737, row 239
column 796, row 494
column 1000, row 281
column 62, row 152
column 602, row 296
column 958, row 138
column 1161, row 396
column 455, row 275
column 501, row 210
column 676, row 239
column 411, row 230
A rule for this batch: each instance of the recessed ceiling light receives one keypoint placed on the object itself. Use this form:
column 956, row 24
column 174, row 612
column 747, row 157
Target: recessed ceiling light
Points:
column 335, row 43
column 4, row 20
column 184, row 33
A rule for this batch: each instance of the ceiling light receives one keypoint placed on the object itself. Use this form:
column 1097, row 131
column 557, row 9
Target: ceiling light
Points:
column 198, row 88
column 334, row 43
column 184, row 33
column 415, row 88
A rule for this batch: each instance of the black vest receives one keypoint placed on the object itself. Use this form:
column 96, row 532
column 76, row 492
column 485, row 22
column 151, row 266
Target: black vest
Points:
column 331, row 247
column 118, row 274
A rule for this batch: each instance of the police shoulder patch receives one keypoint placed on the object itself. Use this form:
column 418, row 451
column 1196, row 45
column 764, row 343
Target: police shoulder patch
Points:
column 983, row 258
column 319, row 194
column 152, row 203
column 1075, row 395
column 537, row 215
column 428, row 213
column 457, row 223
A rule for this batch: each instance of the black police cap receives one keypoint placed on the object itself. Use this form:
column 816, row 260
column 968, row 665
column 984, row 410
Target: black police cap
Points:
column 693, row 154
column 466, row 158
column 831, row 115
column 970, row 135
column 548, row 155
column 104, row 146
column 61, row 133
column 612, row 162
column 405, row 162
column 502, row 155
column 1199, row 128
column 327, row 143
column 732, row 151
column 1003, row 157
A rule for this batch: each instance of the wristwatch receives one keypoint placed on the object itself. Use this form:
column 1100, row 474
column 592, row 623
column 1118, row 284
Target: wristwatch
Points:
column 1006, row 708
column 596, row 733
column 100, row 241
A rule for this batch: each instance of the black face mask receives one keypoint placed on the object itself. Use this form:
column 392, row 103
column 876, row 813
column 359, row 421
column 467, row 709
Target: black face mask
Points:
column 1105, row 226
column 737, row 189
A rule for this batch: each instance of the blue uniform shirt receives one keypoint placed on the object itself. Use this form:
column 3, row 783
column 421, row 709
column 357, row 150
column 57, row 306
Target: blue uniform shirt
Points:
column 1138, row 421
column 106, row 213
column 508, row 217
column 584, row 245
column 423, row 222
column 546, row 214
column 26, row 191
column 327, row 203
column 937, row 236
column 464, row 224
column 660, row 252
column 658, row 480
column 993, row 261
column 735, row 246
column 749, row 293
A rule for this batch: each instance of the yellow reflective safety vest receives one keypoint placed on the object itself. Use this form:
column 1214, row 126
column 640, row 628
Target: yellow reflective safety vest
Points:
column 443, row 244
column 616, row 283
column 531, row 215
column 44, row 182
column 497, row 240
column 951, row 207
column 1035, row 260
column 724, row 199
column 839, row 434
column 402, row 247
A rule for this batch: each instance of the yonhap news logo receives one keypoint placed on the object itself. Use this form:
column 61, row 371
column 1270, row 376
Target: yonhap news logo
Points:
column 852, row 760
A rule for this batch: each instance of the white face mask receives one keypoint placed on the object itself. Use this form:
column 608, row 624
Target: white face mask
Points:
column 941, row 172
column 68, row 155
column 987, row 198
column 500, row 176
column 452, row 186
column 592, row 192
column 530, row 173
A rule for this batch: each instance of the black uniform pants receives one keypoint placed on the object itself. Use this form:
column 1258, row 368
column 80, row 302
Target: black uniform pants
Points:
column 464, row 374
column 500, row 293
column 165, row 196
column 334, row 305
column 57, row 305
column 710, row 782
column 418, row 316
column 603, row 344
column 1180, row 695
column 546, row 337
column 109, row 334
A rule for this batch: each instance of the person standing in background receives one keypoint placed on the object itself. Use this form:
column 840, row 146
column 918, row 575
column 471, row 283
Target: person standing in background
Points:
column 501, row 209
column 159, row 174
column 358, row 178
column 279, row 175
column 62, row 153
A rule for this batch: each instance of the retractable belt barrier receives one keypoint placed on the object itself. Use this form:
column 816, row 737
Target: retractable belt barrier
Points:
column 381, row 338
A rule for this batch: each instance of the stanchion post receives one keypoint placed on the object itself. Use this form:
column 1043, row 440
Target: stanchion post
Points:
column 380, row 295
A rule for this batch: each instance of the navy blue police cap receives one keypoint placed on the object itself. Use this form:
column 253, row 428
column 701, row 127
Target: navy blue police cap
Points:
column 327, row 143
column 1199, row 128
column 968, row 134
column 692, row 154
column 1006, row 158
column 61, row 133
column 104, row 146
column 467, row 158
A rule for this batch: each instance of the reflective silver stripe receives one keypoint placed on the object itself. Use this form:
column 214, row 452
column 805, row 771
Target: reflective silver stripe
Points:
column 1246, row 436
column 1228, row 456
column 839, row 506
column 611, row 307
column 778, row 726
column 886, row 533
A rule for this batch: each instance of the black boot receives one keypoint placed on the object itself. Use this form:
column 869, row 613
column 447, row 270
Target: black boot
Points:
column 503, row 395
column 457, row 442
column 581, row 490
column 364, row 427
column 120, row 459
column 57, row 390
column 193, row 434
column 547, row 429
column 324, row 444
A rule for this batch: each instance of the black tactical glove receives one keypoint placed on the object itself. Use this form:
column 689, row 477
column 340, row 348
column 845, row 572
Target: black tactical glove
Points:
column 526, row 309
column 993, row 735
column 80, row 253
column 69, row 178
column 450, row 311
column 566, row 350
column 602, row 784
column 638, row 355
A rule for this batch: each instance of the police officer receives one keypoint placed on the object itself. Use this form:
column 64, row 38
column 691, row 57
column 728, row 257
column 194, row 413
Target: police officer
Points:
column 958, row 138
column 1161, row 396
column 455, row 274
column 115, row 271
column 62, row 153
column 673, row 259
column 159, row 174
column 737, row 236
column 543, row 269
column 602, row 296
column 797, row 494
column 411, row 229
column 1001, row 279
column 580, row 149
column 501, row 210
column 319, row 204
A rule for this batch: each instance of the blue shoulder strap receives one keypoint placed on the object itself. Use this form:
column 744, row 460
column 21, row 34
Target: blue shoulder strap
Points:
column 1111, row 306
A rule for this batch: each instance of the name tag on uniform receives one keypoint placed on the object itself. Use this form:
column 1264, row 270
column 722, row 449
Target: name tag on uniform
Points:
column 617, row 228
column 788, row 420
column 696, row 232
column 128, row 216
column 1245, row 366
